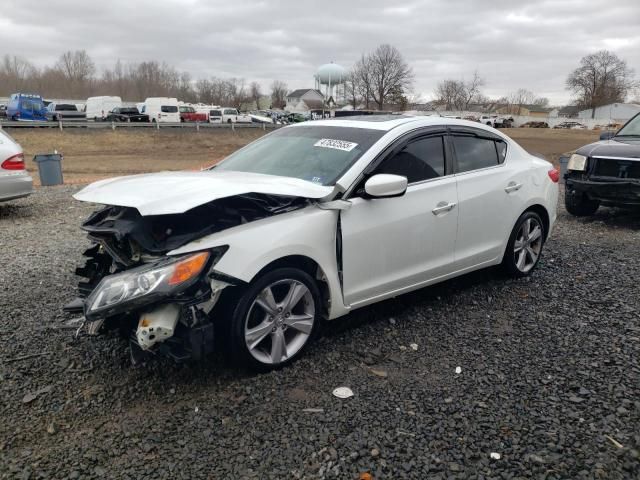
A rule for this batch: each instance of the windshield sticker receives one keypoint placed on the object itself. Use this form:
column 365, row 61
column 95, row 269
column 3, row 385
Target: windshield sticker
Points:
column 335, row 144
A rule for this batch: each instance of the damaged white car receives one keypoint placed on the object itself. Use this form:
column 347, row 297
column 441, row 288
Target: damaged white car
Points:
column 304, row 225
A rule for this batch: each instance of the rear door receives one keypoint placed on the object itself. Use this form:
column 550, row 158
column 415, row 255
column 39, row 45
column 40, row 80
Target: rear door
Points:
column 491, row 189
column 393, row 244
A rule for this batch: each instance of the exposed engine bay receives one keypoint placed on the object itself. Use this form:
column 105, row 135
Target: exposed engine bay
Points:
column 162, row 303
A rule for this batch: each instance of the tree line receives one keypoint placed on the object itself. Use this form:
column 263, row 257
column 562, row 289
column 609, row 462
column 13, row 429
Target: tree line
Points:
column 380, row 79
column 602, row 78
column 74, row 75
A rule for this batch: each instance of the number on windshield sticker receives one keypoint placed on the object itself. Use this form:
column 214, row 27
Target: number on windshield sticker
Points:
column 335, row 144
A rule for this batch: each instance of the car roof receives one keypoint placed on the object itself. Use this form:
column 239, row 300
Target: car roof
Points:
column 389, row 122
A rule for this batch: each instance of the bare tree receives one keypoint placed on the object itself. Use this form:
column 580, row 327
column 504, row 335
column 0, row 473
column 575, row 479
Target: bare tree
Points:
column 78, row 70
column 449, row 93
column 351, row 89
column 15, row 72
column 471, row 90
column 519, row 98
column 237, row 92
column 601, row 78
column 278, row 94
column 256, row 93
column 541, row 101
column 362, row 74
column 458, row 94
column 389, row 73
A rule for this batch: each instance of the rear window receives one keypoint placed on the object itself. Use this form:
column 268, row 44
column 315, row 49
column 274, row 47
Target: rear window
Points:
column 128, row 110
column 474, row 153
column 169, row 109
column 215, row 113
column 65, row 107
column 230, row 111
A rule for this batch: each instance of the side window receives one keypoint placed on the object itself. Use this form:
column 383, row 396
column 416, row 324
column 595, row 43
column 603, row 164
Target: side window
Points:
column 474, row 153
column 502, row 151
column 421, row 159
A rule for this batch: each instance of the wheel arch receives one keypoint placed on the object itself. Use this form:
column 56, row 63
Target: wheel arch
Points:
column 307, row 265
column 544, row 215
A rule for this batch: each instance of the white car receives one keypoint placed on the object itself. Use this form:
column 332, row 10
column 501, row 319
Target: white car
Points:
column 15, row 182
column 228, row 115
column 305, row 224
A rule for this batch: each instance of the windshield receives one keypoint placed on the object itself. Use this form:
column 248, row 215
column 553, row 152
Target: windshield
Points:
column 319, row 154
column 64, row 107
column 129, row 110
column 631, row 129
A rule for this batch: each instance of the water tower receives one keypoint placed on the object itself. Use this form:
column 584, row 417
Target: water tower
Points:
column 331, row 76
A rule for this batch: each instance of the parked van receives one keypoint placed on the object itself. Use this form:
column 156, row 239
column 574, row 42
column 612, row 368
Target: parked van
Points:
column 161, row 109
column 99, row 107
column 26, row 106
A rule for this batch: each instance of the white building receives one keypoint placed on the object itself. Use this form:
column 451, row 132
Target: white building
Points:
column 620, row 112
column 303, row 100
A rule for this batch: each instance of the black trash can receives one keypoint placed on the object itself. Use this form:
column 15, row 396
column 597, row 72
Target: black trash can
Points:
column 49, row 168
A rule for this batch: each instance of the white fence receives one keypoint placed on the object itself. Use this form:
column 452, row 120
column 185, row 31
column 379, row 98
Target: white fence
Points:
column 519, row 120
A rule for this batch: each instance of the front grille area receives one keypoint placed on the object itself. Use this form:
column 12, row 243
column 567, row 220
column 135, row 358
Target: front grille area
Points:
column 606, row 167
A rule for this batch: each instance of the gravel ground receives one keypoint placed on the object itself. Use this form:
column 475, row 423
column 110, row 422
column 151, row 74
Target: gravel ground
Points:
column 549, row 380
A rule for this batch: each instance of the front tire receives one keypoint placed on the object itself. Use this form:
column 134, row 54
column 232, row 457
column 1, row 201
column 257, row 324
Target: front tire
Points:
column 578, row 204
column 524, row 246
column 275, row 319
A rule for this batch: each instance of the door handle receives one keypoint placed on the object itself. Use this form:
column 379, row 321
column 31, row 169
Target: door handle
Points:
column 443, row 207
column 513, row 187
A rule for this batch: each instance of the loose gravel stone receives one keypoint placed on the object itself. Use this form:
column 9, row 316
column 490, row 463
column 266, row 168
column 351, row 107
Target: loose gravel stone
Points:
column 550, row 375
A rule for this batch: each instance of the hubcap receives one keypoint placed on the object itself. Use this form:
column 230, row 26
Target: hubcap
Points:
column 279, row 321
column 528, row 245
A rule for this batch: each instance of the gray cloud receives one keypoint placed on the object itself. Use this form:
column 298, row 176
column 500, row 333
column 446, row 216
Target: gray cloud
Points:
column 531, row 45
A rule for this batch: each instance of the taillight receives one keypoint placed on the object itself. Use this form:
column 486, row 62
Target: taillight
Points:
column 554, row 175
column 14, row 163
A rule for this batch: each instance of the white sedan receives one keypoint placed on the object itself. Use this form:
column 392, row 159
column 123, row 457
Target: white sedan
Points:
column 307, row 224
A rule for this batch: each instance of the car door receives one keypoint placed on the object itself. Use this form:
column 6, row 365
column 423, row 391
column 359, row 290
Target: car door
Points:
column 393, row 244
column 490, row 189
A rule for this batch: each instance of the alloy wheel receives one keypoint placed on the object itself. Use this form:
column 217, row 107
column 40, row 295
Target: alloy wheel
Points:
column 279, row 321
column 528, row 245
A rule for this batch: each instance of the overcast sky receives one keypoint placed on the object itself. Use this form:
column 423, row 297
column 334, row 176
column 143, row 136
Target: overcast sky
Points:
column 512, row 43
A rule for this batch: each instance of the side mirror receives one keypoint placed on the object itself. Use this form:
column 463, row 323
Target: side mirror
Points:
column 607, row 135
column 385, row 185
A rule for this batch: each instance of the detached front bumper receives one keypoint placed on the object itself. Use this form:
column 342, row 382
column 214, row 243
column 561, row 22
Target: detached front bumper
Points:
column 607, row 190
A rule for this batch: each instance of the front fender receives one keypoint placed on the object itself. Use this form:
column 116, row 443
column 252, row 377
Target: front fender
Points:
column 309, row 232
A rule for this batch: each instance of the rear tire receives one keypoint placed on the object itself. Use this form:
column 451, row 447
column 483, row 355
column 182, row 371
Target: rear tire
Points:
column 267, row 331
column 524, row 246
column 578, row 204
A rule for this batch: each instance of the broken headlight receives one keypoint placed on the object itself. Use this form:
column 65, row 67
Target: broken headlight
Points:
column 146, row 283
column 577, row 162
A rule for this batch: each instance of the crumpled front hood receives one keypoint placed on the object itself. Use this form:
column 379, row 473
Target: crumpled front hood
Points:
column 176, row 192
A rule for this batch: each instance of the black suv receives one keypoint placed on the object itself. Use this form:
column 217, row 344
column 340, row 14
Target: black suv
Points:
column 606, row 172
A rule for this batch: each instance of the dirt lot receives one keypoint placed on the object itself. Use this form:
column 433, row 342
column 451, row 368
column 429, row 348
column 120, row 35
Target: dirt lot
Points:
column 94, row 154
